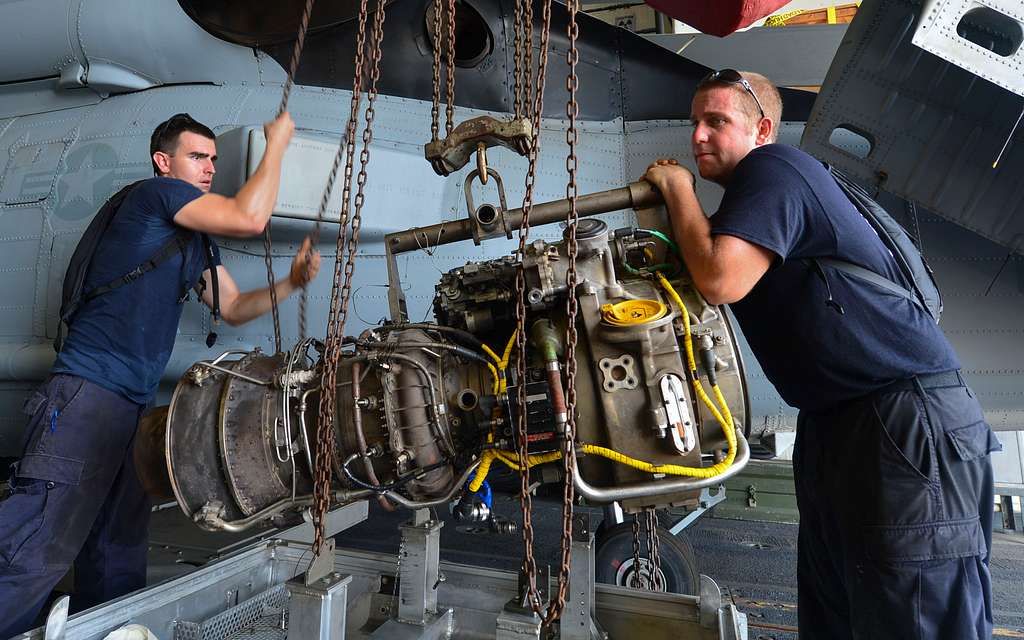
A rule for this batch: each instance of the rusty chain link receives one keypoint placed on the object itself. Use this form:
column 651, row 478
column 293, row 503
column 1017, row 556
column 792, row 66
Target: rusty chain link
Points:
column 526, row 503
column 271, row 284
column 439, row 40
column 340, row 297
column 636, row 578
column 654, row 552
column 300, row 40
column 646, row 572
column 571, row 308
column 449, row 110
column 435, row 109
column 517, row 59
column 527, row 59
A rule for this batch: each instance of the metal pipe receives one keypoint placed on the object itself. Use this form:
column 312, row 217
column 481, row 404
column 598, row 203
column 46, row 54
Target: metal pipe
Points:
column 236, row 526
column 662, row 487
column 636, row 195
column 357, row 422
column 424, row 504
column 208, row 365
column 302, row 430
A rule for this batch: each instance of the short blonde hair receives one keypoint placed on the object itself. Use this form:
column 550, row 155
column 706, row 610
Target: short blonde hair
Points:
column 767, row 94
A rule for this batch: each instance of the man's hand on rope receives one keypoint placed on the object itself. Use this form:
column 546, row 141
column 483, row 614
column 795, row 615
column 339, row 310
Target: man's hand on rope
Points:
column 305, row 266
column 279, row 130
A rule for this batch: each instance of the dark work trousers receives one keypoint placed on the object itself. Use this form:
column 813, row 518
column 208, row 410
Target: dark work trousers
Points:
column 895, row 498
column 74, row 498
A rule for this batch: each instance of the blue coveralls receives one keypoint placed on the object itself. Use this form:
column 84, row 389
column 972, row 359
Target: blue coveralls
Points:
column 74, row 499
column 891, row 463
column 895, row 498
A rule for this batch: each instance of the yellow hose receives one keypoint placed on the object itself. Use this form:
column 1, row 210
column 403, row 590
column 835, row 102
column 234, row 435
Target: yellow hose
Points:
column 724, row 417
column 726, row 422
column 496, row 387
column 510, row 459
column 500, row 383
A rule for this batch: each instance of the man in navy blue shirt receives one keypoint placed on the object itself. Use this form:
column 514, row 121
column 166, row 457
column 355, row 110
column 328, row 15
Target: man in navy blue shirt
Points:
column 75, row 497
column 891, row 462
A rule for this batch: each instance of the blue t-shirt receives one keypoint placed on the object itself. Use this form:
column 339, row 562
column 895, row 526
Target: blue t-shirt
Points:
column 122, row 339
column 785, row 201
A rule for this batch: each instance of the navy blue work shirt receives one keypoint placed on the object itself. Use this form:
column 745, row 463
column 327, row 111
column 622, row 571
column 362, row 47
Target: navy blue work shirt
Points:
column 784, row 200
column 122, row 339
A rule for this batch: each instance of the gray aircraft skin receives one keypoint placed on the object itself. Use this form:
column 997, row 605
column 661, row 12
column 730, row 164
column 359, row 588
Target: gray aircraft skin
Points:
column 83, row 84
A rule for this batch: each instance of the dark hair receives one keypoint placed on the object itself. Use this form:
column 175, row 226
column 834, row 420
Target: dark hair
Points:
column 165, row 136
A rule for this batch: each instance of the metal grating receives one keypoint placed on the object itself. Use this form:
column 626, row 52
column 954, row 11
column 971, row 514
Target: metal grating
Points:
column 262, row 617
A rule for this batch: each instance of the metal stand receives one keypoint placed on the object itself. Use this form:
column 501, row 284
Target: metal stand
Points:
column 517, row 621
column 317, row 611
column 418, row 580
column 578, row 618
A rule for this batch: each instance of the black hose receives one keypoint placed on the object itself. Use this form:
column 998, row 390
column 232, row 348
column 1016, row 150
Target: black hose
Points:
column 462, row 351
column 426, row 326
column 391, row 486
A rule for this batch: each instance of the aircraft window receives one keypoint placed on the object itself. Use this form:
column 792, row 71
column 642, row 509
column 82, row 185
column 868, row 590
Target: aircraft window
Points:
column 473, row 39
column 851, row 140
column 992, row 30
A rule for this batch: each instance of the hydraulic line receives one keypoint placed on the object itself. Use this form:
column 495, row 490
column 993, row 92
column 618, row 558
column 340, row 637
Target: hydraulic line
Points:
column 462, row 351
column 441, row 432
column 357, row 422
column 501, row 383
column 510, row 459
column 391, row 486
column 466, row 336
column 724, row 417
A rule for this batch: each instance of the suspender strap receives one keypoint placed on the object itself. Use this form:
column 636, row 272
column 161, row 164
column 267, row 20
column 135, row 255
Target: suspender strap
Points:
column 174, row 246
column 211, row 337
column 872, row 277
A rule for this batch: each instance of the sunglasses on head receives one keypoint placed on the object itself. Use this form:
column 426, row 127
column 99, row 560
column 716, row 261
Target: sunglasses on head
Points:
column 731, row 76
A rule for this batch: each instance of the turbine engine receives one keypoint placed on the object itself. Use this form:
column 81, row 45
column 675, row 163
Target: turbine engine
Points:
column 420, row 409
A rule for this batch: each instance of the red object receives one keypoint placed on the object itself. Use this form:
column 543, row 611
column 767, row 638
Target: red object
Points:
column 717, row 17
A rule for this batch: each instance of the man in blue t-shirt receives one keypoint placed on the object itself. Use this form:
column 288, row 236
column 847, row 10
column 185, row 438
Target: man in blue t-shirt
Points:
column 75, row 497
column 891, row 463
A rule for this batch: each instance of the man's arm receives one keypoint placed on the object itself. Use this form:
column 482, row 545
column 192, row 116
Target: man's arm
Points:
column 238, row 307
column 246, row 213
column 724, row 268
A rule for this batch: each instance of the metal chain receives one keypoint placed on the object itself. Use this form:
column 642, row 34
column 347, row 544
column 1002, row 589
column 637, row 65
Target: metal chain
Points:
column 271, row 285
column 636, row 580
column 339, row 298
column 435, row 109
column 449, row 111
column 654, row 560
column 300, row 40
column 571, row 337
column 526, row 503
column 527, row 57
column 517, row 59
